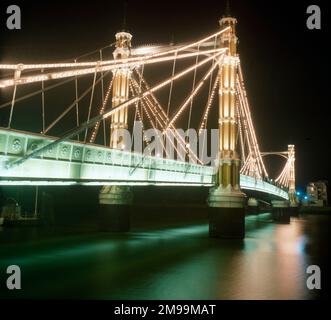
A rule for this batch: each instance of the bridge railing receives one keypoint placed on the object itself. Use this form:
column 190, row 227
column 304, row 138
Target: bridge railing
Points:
column 250, row 183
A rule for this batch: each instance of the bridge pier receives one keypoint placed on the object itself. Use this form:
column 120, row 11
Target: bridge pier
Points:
column 115, row 207
column 226, row 214
column 294, row 210
column 252, row 206
column 280, row 211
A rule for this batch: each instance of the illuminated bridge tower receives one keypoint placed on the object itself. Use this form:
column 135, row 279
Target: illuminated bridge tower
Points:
column 115, row 201
column 291, row 181
column 283, row 209
column 226, row 201
column 119, row 120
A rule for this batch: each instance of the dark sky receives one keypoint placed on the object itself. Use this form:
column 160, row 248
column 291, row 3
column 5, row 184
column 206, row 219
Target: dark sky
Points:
column 286, row 66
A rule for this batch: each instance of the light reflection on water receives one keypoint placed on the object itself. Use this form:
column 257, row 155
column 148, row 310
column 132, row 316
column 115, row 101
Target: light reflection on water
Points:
column 176, row 263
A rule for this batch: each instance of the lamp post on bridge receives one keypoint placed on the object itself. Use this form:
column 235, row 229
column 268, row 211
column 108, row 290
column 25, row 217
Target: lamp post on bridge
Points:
column 226, row 201
column 115, row 201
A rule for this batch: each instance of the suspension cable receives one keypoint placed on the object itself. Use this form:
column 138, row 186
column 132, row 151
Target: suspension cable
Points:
column 102, row 109
column 193, row 85
column 138, row 110
column 211, row 95
column 90, row 105
column 12, row 107
column 73, row 105
column 171, row 85
column 94, row 51
column 153, row 124
column 141, row 79
column 241, row 139
column 17, row 74
column 251, row 132
column 77, row 104
column 43, row 104
column 242, row 90
column 30, row 95
column 159, row 111
column 101, row 68
column 135, row 60
column 105, row 115
column 188, row 99
column 140, row 84
column 138, row 113
column 102, row 99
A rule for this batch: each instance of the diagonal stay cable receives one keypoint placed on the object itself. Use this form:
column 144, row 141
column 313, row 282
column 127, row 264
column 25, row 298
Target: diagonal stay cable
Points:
column 91, row 102
column 104, row 115
column 32, row 94
column 73, row 104
column 102, row 109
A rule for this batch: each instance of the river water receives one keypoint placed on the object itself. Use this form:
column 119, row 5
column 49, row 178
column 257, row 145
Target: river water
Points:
column 168, row 263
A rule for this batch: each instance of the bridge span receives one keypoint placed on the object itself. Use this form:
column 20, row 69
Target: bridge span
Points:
column 28, row 158
column 73, row 162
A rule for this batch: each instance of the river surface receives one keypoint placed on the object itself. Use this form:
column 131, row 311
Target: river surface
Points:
column 168, row 263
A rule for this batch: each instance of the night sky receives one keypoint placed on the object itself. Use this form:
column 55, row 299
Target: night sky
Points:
column 286, row 66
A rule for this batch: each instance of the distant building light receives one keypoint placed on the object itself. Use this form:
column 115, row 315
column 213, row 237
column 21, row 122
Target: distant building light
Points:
column 306, row 197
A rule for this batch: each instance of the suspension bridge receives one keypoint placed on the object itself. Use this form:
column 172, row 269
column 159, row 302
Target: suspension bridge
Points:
column 124, row 94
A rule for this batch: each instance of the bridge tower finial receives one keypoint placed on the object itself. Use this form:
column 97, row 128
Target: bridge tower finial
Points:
column 229, row 39
column 227, row 9
column 125, row 9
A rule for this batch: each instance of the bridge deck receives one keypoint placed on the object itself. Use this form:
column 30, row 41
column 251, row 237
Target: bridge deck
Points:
column 73, row 162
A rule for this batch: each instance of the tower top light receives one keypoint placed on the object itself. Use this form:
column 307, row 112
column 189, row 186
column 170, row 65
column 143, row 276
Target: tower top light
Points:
column 229, row 38
column 123, row 45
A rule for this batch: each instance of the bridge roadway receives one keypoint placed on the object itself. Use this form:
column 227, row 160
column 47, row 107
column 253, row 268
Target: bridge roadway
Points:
column 78, row 163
